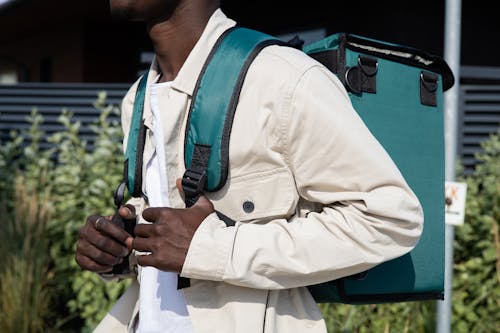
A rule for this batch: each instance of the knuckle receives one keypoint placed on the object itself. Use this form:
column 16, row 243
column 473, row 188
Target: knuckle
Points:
column 82, row 233
column 164, row 213
column 78, row 259
column 94, row 267
column 157, row 229
column 90, row 219
column 103, row 258
column 156, row 245
column 103, row 243
column 79, row 247
column 162, row 229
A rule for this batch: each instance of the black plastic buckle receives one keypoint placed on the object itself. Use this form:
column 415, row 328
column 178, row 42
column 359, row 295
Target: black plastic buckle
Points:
column 193, row 183
column 119, row 194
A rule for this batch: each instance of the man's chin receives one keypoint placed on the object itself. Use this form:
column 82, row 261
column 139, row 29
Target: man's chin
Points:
column 123, row 14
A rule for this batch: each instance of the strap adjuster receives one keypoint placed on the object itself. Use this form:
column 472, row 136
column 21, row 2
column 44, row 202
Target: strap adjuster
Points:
column 119, row 194
column 193, row 183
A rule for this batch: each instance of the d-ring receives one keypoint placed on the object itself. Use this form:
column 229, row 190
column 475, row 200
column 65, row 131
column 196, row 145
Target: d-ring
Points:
column 97, row 222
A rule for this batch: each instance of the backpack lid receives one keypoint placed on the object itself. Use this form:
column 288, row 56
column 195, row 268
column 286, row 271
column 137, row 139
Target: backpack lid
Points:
column 395, row 52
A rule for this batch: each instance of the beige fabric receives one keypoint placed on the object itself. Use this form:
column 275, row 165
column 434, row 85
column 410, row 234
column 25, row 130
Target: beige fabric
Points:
column 328, row 200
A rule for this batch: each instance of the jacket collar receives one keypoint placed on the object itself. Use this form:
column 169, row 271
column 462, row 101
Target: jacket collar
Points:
column 188, row 75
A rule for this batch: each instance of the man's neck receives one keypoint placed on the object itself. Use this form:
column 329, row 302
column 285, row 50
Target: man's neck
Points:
column 174, row 38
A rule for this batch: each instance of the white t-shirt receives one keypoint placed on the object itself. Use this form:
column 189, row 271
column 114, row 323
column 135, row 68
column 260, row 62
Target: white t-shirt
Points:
column 162, row 308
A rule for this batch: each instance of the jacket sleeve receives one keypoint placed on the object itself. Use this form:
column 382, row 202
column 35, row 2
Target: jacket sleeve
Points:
column 369, row 214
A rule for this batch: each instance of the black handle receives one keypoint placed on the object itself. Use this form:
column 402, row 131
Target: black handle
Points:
column 128, row 225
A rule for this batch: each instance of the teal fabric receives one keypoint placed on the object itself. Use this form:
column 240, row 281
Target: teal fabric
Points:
column 413, row 135
column 328, row 43
column 133, row 134
column 212, row 102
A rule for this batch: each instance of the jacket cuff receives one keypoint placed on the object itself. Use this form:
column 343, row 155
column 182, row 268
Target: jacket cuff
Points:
column 209, row 250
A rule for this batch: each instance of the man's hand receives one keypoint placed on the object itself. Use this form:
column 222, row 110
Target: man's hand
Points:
column 170, row 235
column 101, row 244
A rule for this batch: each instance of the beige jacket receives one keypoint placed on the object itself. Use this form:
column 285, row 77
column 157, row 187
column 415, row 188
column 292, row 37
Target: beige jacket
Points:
column 327, row 199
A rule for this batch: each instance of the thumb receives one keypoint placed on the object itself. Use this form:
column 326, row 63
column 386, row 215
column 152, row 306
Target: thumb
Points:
column 202, row 201
column 204, row 204
column 178, row 184
column 127, row 212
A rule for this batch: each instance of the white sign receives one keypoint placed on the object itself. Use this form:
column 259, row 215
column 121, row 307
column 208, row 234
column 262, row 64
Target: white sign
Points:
column 455, row 194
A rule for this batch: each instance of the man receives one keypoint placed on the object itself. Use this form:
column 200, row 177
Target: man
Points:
column 314, row 195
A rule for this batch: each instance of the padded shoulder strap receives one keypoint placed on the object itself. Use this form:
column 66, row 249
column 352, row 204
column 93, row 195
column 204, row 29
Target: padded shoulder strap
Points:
column 211, row 115
column 135, row 143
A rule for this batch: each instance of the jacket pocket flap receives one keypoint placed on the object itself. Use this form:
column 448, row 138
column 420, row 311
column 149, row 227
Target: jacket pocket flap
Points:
column 257, row 196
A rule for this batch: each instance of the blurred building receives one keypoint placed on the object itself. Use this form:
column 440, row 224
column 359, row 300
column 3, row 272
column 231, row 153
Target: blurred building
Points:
column 77, row 41
column 67, row 41
column 56, row 54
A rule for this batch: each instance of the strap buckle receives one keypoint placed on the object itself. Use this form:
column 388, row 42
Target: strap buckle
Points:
column 193, row 183
column 119, row 194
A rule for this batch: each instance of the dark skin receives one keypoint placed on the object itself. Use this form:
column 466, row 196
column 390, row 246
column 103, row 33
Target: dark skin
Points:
column 174, row 27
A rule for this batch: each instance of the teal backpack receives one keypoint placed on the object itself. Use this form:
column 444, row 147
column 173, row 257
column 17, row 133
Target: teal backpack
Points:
column 397, row 91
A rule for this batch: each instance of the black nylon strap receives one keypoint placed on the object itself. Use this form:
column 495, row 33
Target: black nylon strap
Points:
column 195, row 178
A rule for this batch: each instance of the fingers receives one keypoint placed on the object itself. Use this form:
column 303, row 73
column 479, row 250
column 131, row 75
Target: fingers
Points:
column 203, row 203
column 146, row 260
column 153, row 214
column 104, row 226
column 141, row 244
column 144, row 230
column 127, row 212
column 96, row 251
column 98, row 256
column 91, row 265
column 108, row 245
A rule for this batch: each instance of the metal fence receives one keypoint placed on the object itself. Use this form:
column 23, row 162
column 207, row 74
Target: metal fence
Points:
column 479, row 114
column 49, row 99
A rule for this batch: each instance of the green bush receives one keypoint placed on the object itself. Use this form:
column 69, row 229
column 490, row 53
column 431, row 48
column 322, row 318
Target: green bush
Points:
column 80, row 183
column 25, row 273
column 476, row 284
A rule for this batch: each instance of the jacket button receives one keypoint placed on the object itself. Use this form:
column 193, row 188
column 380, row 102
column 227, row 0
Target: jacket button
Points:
column 248, row 206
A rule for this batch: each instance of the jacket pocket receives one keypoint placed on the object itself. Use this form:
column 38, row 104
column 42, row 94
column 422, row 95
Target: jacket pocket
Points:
column 257, row 196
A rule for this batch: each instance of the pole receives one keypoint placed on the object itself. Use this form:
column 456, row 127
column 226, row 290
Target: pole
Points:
column 452, row 56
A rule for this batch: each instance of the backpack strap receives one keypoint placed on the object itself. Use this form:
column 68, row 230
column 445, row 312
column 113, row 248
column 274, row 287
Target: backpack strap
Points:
column 132, row 168
column 210, row 119
column 206, row 153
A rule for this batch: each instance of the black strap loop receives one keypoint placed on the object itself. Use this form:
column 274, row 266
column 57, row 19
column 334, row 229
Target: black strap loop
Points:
column 195, row 177
column 428, row 88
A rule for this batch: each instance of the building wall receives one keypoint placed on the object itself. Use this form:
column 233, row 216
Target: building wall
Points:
column 77, row 41
column 112, row 51
column 54, row 54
